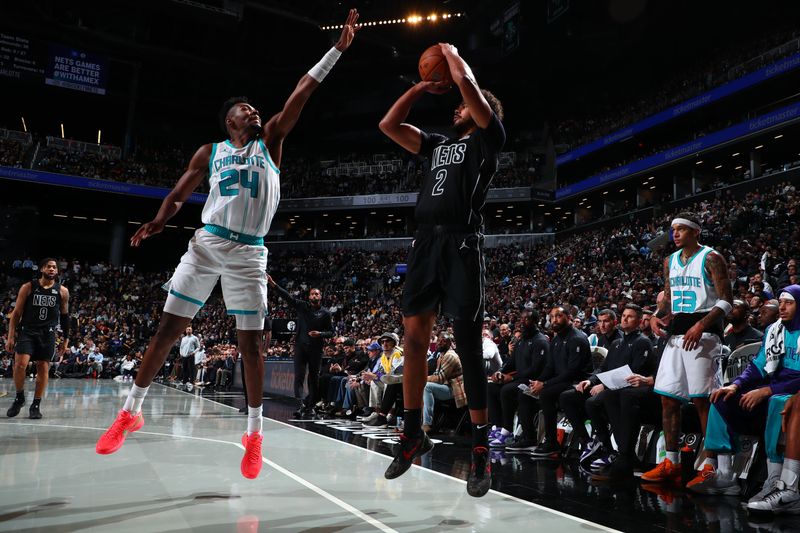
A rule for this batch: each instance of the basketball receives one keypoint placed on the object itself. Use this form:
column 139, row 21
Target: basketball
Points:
column 433, row 65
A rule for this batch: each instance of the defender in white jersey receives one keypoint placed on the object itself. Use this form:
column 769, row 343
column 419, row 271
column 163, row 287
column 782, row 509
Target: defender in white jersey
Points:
column 244, row 193
column 698, row 297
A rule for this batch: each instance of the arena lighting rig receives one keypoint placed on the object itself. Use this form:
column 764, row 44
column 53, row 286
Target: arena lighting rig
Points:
column 411, row 19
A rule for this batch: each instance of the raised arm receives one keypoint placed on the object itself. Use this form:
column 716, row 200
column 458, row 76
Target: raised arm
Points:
column 194, row 174
column 465, row 81
column 393, row 123
column 279, row 126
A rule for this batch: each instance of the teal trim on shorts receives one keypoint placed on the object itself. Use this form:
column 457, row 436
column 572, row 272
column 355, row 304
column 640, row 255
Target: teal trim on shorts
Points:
column 187, row 298
column 234, row 236
column 241, row 312
column 700, row 395
column 673, row 396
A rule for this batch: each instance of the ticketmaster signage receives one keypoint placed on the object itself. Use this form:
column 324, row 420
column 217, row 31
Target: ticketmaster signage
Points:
column 764, row 122
column 780, row 67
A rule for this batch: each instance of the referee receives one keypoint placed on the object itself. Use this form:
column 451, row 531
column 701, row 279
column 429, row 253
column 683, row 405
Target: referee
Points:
column 314, row 325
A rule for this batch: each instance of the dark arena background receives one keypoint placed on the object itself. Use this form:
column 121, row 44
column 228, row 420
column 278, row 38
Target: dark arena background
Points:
column 620, row 117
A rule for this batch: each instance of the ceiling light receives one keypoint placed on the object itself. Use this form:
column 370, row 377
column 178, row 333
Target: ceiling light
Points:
column 605, row 192
column 734, row 155
column 698, row 162
column 59, row 216
column 717, row 167
column 653, row 187
column 651, row 178
column 737, row 168
column 622, row 190
column 778, row 136
column 759, row 147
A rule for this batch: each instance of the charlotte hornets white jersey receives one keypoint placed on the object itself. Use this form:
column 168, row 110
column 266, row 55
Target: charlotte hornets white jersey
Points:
column 692, row 291
column 244, row 188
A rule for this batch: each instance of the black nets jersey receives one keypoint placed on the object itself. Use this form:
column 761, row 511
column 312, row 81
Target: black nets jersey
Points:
column 458, row 175
column 43, row 307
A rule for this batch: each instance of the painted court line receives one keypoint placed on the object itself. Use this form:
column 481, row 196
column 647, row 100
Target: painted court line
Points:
column 377, row 524
column 577, row 519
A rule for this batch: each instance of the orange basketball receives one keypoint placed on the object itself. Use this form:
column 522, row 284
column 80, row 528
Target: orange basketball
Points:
column 433, row 65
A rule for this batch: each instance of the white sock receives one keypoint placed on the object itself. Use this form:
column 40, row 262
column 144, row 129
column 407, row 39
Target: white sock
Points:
column 504, row 432
column 790, row 473
column 135, row 398
column 774, row 469
column 725, row 462
column 710, row 461
column 253, row 420
column 675, row 457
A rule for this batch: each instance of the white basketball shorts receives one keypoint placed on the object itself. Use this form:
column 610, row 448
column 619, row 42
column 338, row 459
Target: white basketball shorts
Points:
column 685, row 374
column 241, row 268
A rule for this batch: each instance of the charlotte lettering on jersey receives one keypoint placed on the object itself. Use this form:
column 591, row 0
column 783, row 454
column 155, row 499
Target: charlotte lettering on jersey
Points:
column 229, row 160
column 448, row 154
column 44, row 300
column 685, row 281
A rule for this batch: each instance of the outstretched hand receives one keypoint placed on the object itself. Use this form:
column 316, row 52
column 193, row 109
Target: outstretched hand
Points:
column 435, row 87
column 146, row 231
column 349, row 31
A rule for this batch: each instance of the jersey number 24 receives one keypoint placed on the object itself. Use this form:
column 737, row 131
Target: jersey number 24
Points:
column 227, row 185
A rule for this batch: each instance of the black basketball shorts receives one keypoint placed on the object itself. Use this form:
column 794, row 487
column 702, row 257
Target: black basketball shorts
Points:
column 40, row 344
column 445, row 274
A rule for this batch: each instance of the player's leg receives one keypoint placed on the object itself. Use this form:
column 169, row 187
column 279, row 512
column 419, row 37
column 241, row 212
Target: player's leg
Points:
column 779, row 495
column 42, row 375
column 20, row 366
column 244, row 289
column 189, row 288
column 464, row 299
column 421, row 297
column 672, row 386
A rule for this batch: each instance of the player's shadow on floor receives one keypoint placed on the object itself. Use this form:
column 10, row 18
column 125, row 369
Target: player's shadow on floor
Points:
column 60, row 507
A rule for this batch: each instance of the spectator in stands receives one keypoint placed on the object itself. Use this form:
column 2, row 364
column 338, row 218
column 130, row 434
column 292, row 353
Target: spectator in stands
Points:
column 752, row 405
column 629, row 407
column 587, row 398
column 504, row 340
column 768, row 315
column 491, row 353
column 569, row 361
column 445, row 383
column 390, row 360
column 360, row 385
column 607, row 331
column 127, row 368
column 741, row 332
column 644, row 326
column 524, row 365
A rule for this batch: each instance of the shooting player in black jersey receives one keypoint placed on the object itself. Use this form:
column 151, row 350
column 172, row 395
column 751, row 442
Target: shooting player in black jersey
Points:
column 445, row 265
column 41, row 305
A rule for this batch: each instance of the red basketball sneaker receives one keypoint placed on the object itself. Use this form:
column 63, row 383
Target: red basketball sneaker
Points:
column 252, row 460
column 113, row 438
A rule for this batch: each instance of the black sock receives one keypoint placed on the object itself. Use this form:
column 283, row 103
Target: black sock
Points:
column 21, row 395
column 36, row 402
column 412, row 422
column 480, row 435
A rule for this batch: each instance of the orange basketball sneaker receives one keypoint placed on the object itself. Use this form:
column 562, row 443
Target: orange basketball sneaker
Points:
column 114, row 436
column 252, row 460
column 665, row 471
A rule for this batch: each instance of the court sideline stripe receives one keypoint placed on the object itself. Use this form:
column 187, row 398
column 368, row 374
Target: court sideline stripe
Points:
column 451, row 478
column 291, row 475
